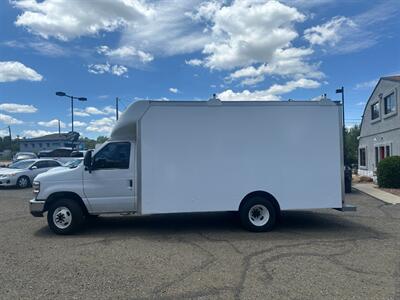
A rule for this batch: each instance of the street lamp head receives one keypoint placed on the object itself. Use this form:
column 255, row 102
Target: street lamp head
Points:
column 82, row 99
column 61, row 94
column 339, row 91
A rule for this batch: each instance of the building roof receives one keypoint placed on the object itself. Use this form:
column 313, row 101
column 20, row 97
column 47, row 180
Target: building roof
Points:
column 392, row 78
column 50, row 137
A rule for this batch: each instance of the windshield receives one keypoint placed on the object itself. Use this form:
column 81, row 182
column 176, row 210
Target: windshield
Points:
column 73, row 163
column 24, row 164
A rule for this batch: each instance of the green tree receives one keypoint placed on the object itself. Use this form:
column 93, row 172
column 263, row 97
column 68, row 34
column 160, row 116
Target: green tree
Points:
column 351, row 145
column 89, row 143
column 101, row 139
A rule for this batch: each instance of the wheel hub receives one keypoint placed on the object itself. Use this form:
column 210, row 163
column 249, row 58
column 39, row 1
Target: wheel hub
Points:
column 258, row 215
column 62, row 217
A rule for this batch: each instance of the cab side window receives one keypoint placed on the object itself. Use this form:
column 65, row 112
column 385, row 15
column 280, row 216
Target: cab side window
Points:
column 113, row 156
column 52, row 164
column 41, row 164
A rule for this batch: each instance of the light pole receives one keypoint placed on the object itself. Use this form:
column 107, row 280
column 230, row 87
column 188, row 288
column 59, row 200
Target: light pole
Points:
column 62, row 94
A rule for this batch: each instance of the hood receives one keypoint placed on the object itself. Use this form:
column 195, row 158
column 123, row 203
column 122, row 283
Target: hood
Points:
column 61, row 174
column 57, row 169
column 5, row 171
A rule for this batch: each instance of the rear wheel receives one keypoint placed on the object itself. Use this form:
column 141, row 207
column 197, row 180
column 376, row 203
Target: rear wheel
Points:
column 258, row 214
column 65, row 216
column 23, row 182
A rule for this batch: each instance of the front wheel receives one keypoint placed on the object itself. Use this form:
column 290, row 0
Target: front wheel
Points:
column 65, row 217
column 258, row 214
column 23, row 182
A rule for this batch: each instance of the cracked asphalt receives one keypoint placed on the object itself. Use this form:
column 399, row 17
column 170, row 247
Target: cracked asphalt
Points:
column 321, row 254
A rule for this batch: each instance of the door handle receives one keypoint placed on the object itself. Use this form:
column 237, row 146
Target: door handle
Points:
column 130, row 184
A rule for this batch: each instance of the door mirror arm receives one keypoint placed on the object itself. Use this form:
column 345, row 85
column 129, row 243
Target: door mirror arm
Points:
column 87, row 161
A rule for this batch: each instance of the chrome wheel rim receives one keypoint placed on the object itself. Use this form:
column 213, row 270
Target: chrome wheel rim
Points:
column 258, row 215
column 23, row 182
column 62, row 217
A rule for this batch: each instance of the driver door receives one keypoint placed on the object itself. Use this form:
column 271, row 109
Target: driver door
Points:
column 109, row 187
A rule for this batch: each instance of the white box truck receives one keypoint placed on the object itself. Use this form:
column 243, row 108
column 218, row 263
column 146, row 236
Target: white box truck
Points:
column 255, row 157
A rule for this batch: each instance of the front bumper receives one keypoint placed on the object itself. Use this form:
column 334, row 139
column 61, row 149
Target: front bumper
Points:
column 36, row 207
column 7, row 181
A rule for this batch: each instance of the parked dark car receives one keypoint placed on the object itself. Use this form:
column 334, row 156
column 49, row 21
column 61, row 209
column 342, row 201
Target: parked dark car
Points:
column 59, row 152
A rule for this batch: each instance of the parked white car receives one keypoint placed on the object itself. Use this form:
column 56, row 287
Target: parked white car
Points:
column 22, row 173
column 24, row 155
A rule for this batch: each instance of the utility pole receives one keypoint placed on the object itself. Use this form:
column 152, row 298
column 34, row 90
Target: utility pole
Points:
column 9, row 132
column 341, row 91
column 116, row 107
column 59, row 127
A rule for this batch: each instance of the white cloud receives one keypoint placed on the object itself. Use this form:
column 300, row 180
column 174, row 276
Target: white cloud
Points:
column 249, row 31
column 366, row 84
column 78, row 124
column 194, row 62
column 80, row 113
column 14, row 70
column 254, row 38
column 52, row 123
column 173, row 90
column 6, row 119
column 125, row 53
column 42, row 47
column 117, row 70
column 36, row 133
column 91, row 110
column 270, row 94
column 103, row 125
column 94, row 111
column 350, row 34
column 160, row 27
column 329, row 33
column 66, row 19
column 361, row 103
column 285, row 63
column 169, row 30
column 18, row 108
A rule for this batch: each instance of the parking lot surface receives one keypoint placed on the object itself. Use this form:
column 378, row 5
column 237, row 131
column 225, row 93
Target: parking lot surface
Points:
column 321, row 254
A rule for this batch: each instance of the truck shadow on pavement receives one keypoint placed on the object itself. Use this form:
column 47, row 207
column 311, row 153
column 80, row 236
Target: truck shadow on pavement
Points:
column 301, row 223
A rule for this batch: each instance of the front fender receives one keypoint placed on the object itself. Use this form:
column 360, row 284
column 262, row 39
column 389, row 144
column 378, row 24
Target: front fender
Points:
column 53, row 187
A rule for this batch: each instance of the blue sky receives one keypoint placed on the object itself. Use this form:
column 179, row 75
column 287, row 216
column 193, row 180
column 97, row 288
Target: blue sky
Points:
column 185, row 50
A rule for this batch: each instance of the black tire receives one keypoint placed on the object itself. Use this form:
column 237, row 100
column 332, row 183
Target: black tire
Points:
column 23, row 182
column 262, row 217
column 70, row 216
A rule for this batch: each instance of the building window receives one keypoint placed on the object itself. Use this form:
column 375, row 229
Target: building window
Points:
column 26, row 145
column 40, row 145
column 363, row 158
column 375, row 111
column 387, row 151
column 390, row 103
column 33, row 145
column 48, row 144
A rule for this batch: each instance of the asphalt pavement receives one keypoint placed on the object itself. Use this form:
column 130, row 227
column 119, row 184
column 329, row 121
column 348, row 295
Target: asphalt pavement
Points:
column 321, row 254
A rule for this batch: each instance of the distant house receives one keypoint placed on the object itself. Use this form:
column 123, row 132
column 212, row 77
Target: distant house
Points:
column 48, row 142
column 380, row 126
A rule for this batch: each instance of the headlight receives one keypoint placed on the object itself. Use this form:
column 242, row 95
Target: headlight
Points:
column 3, row 175
column 36, row 187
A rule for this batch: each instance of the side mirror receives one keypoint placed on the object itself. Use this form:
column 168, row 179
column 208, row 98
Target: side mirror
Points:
column 33, row 167
column 87, row 161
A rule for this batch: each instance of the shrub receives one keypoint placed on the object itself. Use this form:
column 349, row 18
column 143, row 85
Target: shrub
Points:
column 389, row 172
